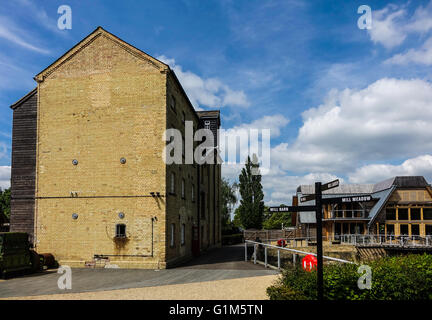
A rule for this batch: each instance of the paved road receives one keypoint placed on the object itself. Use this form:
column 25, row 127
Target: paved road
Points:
column 219, row 264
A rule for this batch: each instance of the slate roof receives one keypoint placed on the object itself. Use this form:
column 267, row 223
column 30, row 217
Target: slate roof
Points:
column 380, row 193
column 347, row 189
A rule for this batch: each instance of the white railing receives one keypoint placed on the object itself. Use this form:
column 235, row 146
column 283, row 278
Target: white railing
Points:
column 373, row 239
column 293, row 251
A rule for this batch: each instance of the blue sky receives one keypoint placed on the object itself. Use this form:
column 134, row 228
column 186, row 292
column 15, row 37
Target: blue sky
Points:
column 342, row 102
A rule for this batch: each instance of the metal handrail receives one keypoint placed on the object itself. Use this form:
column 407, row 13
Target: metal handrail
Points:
column 286, row 249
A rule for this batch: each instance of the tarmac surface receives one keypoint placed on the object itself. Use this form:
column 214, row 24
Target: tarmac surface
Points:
column 207, row 271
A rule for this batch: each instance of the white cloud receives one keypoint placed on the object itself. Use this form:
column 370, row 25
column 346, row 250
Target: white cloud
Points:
column 210, row 92
column 386, row 26
column 421, row 166
column 14, row 34
column 274, row 123
column 420, row 56
column 355, row 133
column 5, row 172
column 388, row 119
column 281, row 188
column 391, row 25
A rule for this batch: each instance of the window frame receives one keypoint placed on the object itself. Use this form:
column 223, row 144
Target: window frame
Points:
column 173, row 183
column 183, row 234
column 183, row 188
column 172, row 237
column 117, row 233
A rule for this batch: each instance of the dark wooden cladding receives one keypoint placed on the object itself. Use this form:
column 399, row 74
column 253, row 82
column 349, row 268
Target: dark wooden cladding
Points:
column 23, row 175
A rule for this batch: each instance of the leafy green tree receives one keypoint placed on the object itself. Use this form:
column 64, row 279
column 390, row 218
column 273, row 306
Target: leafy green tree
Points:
column 251, row 209
column 5, row 196
column 276, row 220
column 228, row 199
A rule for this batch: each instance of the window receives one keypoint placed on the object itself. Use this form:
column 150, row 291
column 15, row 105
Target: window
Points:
column 427, row 213
column 390, row 229
column 172, row 240
column 390, row 214
column 183, row 189
column 207, row 124
column 173, row 103
column 429, row 229
column 403, row 214
column 193, row 193
column 183, row 148
column 172, row 186
column 415, row 229
column 120, row 231
column 415, row 214
column 403, row 229
column 182, row 235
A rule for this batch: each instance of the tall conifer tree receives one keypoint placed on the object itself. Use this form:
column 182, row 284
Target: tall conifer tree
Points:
column 251, row 209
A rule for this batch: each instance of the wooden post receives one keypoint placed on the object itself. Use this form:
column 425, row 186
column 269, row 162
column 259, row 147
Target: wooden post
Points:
column 318, row 213
column 245, row 251
column 265, row 257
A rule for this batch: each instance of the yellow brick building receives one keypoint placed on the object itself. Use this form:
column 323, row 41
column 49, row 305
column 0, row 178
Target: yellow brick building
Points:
column 100, row 188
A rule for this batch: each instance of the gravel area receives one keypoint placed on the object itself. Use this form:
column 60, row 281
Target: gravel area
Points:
column 250, row 288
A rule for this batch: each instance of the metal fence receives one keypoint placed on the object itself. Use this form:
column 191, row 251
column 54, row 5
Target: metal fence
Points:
column 391, row 240
column 294, row 252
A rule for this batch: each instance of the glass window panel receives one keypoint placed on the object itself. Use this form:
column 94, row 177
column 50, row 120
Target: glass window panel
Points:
column 403, row 214
column 415, row 214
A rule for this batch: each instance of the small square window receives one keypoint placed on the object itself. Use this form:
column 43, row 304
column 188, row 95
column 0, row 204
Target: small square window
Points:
column 415, row 214
column 403, row 214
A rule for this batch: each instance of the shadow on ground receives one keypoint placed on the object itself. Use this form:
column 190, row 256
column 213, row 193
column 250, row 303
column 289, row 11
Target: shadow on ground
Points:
column 218, row 264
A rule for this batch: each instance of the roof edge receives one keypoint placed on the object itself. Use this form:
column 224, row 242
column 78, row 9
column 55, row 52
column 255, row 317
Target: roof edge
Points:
column 23, row 99
column 95, row 33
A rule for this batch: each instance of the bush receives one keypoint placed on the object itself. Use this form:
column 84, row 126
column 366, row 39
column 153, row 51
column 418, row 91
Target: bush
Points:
column 232, row 239
column 393, row 278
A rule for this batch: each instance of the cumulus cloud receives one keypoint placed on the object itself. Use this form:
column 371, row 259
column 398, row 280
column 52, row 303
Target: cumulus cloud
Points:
column 281, row 188
column 210, row 92
column 5, row 172
column 421, row 165
column 388, row 119
column 419, row 56
column 358, row 134
column 386, row 26
column 273, row 122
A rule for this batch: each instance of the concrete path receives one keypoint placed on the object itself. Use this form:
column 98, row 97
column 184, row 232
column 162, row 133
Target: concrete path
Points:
column 220, row 264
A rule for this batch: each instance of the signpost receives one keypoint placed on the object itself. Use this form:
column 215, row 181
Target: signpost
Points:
column 364, row 198
column 319, row 201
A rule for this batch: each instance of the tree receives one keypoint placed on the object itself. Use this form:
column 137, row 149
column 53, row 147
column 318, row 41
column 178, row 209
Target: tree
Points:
column 228, row 199
column 251, row 209
column 5, row 196
column 277, row 219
